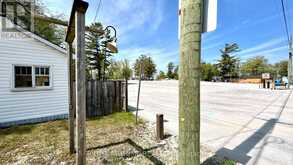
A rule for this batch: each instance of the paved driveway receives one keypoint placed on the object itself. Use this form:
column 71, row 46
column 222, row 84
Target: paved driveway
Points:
column 239, row 121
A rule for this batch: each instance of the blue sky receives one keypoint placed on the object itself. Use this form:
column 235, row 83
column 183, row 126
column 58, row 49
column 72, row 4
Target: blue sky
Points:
column 151, row 26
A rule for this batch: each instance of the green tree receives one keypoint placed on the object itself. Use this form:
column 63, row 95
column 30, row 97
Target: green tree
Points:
column 161, row 75
column 255, row 66
column 208, row 71
column 45, row 29
column 228, row 63
column 282, row 68
column 115, row 70
column 149, row 67
column 126, row 70
column 176, row 76
column 170, row 68
column 97, row 56
column 119, row 70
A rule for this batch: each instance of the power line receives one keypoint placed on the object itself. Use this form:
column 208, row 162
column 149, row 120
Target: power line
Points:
column 276, row 3
column 285, row 20
column 289, row 15
column 97, row 11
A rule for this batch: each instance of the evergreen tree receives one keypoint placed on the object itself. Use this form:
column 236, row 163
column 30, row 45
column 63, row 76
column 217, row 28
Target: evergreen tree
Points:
column 170, row 67
column 228, row 63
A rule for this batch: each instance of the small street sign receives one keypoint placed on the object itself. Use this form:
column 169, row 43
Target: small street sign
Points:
column 266, row 76
column 210, row 15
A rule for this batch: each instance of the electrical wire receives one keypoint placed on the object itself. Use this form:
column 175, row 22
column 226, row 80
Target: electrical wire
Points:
column 285, row 21
column 97, row 11
column 289, row 15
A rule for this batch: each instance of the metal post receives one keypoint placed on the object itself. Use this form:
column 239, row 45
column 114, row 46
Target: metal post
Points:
column 126, row 95
column 80, row 86
column 138, row 93
column 290, row 63
column 189, row 82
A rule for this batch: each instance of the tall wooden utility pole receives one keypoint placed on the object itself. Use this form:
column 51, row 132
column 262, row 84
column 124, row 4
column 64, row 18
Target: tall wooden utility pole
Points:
column 189, row 82
column 80, row 79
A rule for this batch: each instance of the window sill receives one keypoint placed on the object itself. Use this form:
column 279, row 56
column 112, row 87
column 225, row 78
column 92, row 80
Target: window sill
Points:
column 31, row 89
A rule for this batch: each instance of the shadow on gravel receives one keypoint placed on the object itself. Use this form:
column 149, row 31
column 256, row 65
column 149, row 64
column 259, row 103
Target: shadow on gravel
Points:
column 145, row 152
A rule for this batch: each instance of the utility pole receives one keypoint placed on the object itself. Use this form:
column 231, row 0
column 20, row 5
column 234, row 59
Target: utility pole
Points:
column 189, row 82
column 290, row 63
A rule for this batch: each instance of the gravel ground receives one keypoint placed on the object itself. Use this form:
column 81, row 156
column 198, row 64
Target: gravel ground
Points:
column 111, row 140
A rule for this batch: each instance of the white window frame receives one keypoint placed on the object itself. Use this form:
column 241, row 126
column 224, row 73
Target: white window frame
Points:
column 34, row 87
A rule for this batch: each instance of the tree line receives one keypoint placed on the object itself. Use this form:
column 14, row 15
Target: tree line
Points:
column 229, row 66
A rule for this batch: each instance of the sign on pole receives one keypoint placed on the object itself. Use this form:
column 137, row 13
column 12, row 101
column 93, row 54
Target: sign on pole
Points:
column 179, row 20
column 210, row 14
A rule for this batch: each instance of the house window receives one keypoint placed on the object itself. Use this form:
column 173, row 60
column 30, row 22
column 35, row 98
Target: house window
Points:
column 23, row 76
column 42, row 76
column 32, row 77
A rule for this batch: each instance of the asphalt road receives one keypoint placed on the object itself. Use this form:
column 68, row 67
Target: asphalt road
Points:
column 238, row 121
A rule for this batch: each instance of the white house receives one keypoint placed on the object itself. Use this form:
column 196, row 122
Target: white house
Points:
column 33, row 79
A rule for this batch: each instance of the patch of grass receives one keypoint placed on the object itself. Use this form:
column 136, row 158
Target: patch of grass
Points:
column 48, row 142
column 229, row 162
column 124, row 118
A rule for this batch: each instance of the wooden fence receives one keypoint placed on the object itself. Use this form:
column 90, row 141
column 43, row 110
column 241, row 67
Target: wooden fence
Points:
column 105, row 97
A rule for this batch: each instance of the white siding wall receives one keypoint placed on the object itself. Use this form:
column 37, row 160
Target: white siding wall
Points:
column 27, row 105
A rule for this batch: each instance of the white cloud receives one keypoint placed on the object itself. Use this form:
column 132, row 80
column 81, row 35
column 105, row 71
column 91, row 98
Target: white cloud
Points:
column 130, row 16
column 211, row 46
column 265, row 52
column 262, row 46
column 247, row 23
column 161, row 56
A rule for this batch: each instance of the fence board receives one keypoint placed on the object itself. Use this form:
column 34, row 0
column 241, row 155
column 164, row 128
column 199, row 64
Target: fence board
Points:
column 104, row 98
